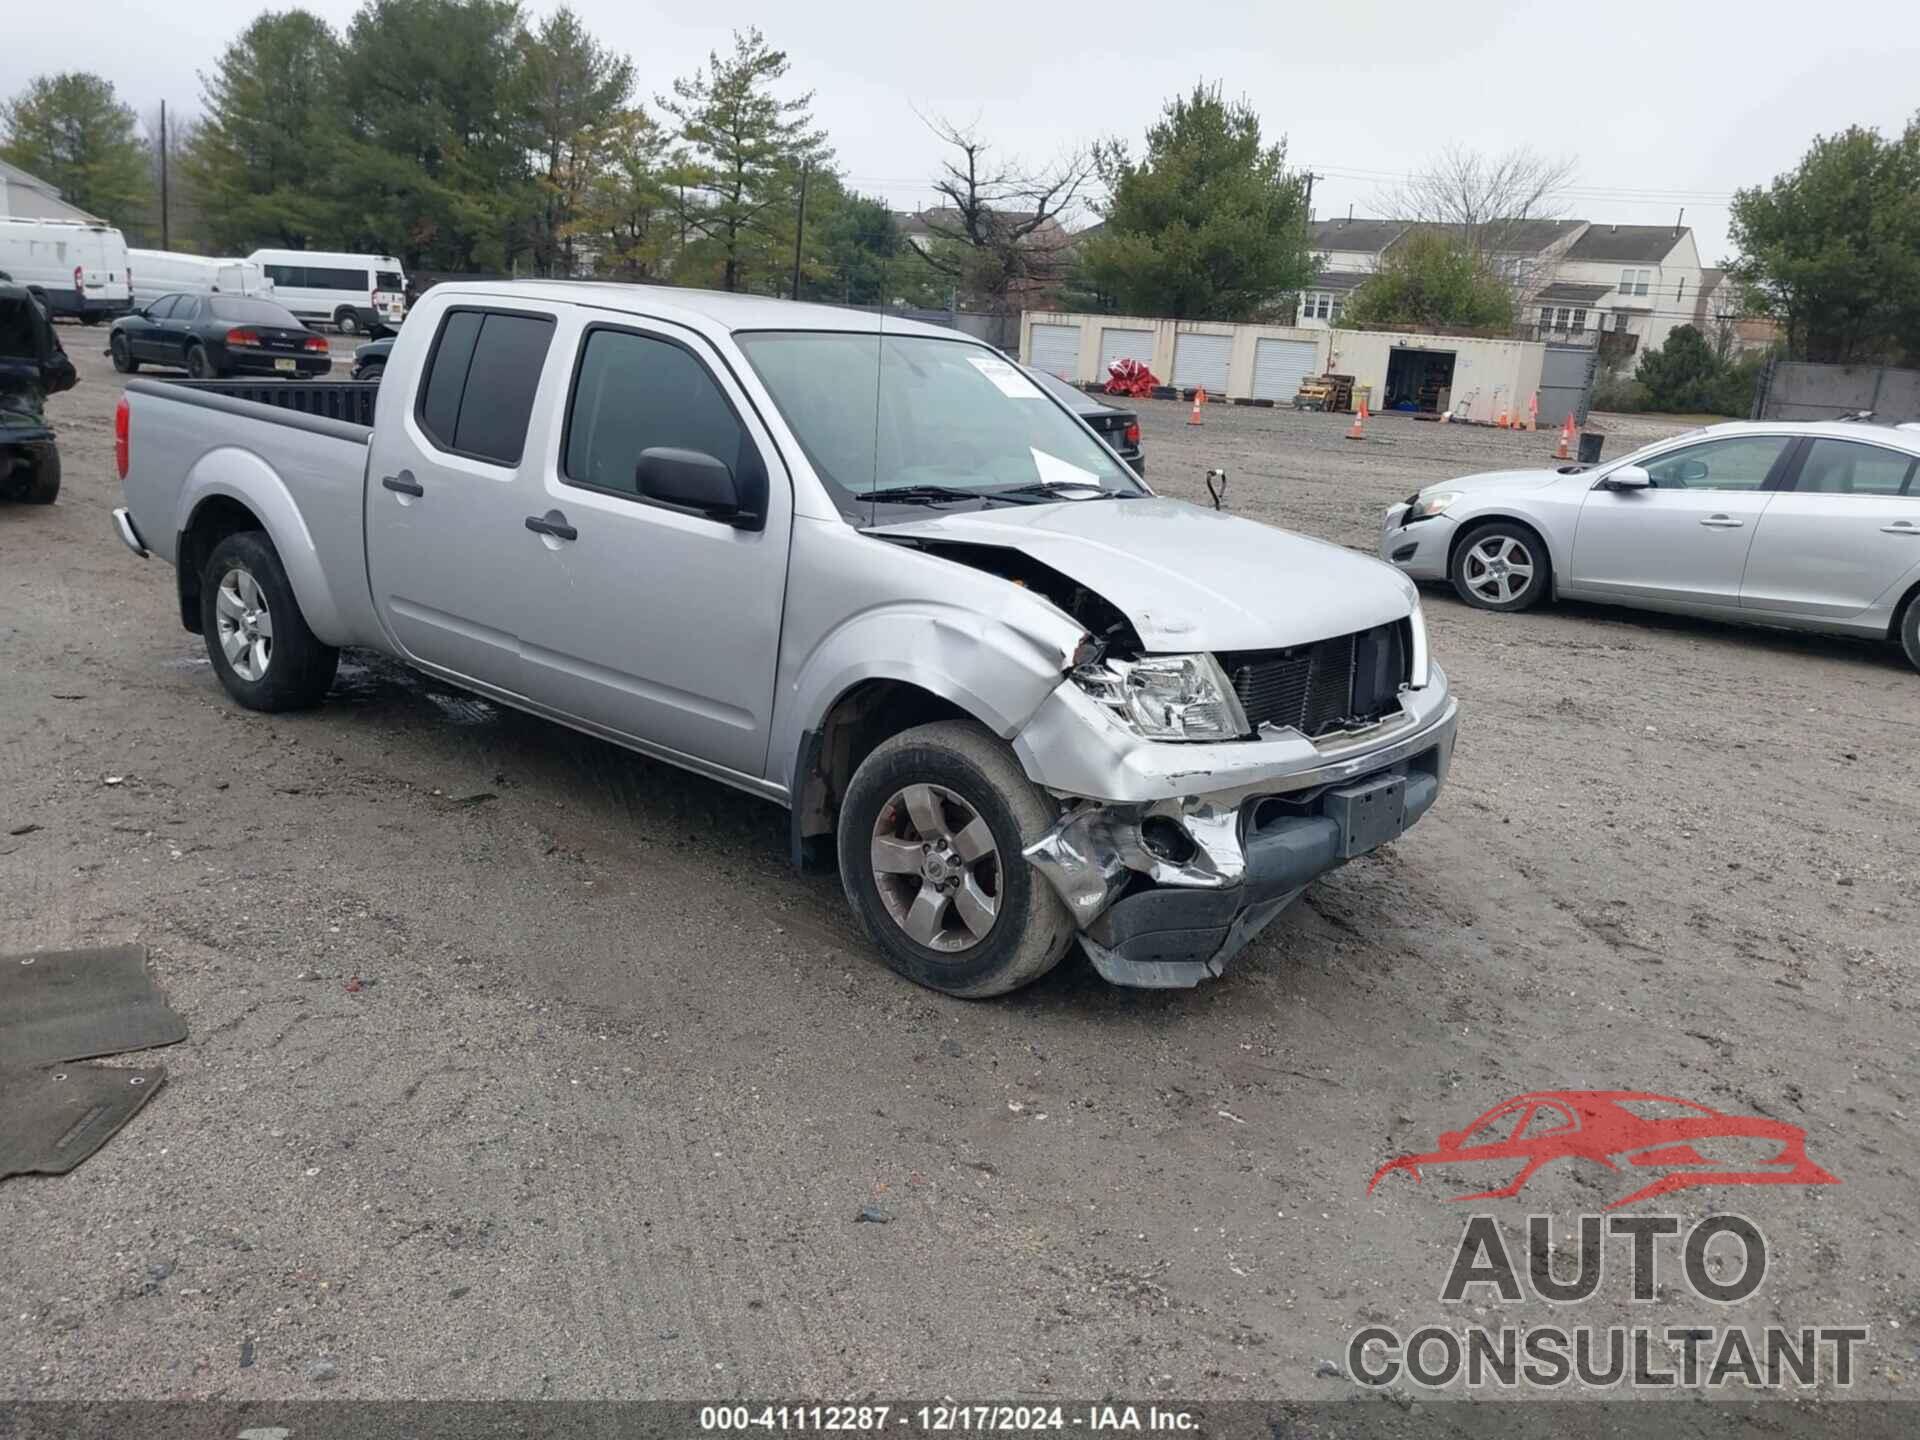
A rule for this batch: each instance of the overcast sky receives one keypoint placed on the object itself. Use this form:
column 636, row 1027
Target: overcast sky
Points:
column 1662, row 105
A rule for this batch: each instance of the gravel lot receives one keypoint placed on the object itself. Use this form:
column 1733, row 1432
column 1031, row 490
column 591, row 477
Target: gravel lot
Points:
column 524, row 1067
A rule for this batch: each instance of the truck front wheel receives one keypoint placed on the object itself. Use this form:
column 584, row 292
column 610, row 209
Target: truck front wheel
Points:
column 258, row 640
column 930, row 836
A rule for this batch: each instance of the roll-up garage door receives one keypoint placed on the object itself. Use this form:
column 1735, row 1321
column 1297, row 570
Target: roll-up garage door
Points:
column 1124, row 345
column 1056, row 350
column 1279, row 366
column 1200, row 361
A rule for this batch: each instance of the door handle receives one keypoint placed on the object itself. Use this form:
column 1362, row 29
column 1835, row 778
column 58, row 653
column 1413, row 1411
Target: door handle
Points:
column 403, row 483
column 1900, row 527
column 1722, row 522
column 552, row 523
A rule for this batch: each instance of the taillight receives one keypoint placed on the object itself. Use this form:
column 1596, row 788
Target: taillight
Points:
column 243, row 337
column 79, row 279
column 1132, row 433
column 317, row 342
column 121, row 416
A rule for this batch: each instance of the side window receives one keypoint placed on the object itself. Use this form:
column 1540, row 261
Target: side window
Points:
column 634, row 393
column 294, row 277
column 1738, row 464
column 162, row 308
column 1547, row 1119
column 481, row 380
column 1842, row 467
column 186, row 309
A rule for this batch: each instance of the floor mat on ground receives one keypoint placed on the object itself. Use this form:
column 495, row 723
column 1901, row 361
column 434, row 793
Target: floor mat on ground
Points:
column 75, row 1004
column 55, row 1116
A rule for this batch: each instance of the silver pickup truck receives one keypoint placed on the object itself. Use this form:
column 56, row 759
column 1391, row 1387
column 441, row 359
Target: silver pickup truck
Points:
column 863, row 568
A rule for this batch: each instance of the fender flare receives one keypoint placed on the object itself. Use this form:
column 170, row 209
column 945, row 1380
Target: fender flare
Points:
column 232, row 473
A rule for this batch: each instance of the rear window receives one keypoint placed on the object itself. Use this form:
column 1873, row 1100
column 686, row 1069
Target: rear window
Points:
column 253, row 312
column 481, row 378
column 388, row 280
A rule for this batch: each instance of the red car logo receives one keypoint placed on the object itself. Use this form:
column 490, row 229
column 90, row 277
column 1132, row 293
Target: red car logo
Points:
column 1692, row 1144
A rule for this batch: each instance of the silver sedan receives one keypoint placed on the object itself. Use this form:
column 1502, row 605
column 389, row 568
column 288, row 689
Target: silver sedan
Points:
column 1812, row 527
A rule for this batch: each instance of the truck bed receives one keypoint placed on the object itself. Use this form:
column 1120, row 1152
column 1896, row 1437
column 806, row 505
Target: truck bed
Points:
column 348, row 400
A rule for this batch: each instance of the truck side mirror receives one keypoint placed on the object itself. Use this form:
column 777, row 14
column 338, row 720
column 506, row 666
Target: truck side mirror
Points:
column 693, row 480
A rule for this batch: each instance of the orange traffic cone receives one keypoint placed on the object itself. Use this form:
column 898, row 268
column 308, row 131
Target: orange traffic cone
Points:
column 1564, row 450
column 1199, row 399
column 1359, row 430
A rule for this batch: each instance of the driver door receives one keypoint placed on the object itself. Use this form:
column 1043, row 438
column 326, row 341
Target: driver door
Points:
column 1683, row 541
column 650, row 621
column 143, row 341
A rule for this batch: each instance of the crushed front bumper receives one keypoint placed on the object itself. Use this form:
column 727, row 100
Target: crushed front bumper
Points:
column 1419, row 551
column 1167, row 890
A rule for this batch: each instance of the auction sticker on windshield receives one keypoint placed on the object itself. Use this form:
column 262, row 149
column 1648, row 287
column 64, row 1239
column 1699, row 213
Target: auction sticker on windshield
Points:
column 1012, row 383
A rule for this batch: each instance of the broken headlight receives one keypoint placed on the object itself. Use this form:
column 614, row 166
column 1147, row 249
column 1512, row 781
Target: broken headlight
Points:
column 1167, row 697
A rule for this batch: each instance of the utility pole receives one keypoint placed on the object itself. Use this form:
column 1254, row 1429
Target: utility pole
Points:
column 800, row 226
column 163, row 177
column 1311, row 177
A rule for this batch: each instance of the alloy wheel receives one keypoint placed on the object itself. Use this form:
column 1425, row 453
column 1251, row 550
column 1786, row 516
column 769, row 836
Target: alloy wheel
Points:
column 936, row 867
column 1499, row 569
column 246, row 626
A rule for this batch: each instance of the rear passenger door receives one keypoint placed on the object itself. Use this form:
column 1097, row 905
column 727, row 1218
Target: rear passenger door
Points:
column 1843, row 533
column 649, row 620
column 451, row 479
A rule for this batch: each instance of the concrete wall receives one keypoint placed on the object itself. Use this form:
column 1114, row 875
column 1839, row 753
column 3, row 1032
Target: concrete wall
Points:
column 1488, row 375
column 1801, row 390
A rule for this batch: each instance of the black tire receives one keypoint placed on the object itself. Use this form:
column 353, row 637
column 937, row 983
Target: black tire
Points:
column 1480, row 584
column 1030, row 929
column 373, row 373
column 1910, row 632
column 122, row 353
column 37, row 479
column 298, row 667
column 90, row 318
column 199, row 363
column 346, row 322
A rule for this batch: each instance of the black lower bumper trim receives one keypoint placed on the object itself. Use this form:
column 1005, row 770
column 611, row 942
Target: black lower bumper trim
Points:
column 1178, row 935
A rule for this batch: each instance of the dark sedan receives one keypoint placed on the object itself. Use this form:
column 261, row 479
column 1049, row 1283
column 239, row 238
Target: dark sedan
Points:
column 1119, row 428
column 212, row 335
column 370, row 360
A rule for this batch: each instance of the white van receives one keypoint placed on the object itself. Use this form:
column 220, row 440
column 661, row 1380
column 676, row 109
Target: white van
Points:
column 169, row 272
column 354, row 292
column 75, row 267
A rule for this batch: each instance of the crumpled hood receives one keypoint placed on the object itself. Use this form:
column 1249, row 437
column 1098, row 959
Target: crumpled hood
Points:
column 1497, row 480
column 1189, row 578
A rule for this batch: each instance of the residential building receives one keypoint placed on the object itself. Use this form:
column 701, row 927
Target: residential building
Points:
column 1574, row 278
column 1721, row 316
column 1640, row 280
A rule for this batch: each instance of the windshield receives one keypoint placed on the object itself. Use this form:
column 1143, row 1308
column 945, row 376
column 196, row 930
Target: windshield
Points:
column 253, row 312
column 883, row 412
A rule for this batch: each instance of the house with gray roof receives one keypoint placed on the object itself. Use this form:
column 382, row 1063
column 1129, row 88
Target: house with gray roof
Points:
column 1574, row 278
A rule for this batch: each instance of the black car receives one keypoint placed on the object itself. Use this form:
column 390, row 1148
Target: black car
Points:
column 370, row 359
column 211, row 335
column 1119, row 428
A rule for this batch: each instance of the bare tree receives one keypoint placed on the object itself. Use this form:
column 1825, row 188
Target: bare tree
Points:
column 1000, row 230
column 1494, row 205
